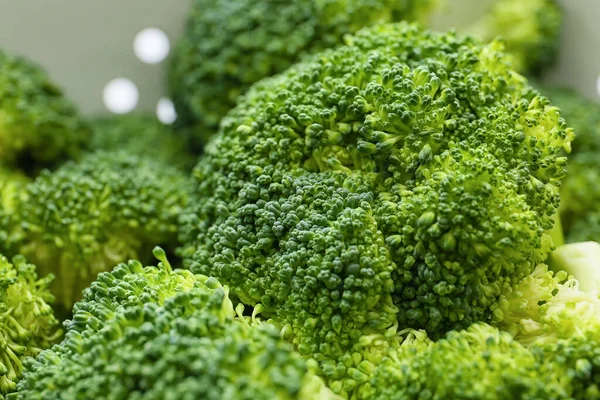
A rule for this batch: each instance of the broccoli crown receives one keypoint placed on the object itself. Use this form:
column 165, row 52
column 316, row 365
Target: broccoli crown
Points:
column 214, row 63
column 478, row 363
column 27, row 324
column 39, row 127
column 405, row 178
column 143, row 135
column 85, row 217
column 159, row 334
column 531, row 30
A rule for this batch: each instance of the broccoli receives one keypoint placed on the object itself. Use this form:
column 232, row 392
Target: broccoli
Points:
column 550, row 313
column 27, row 323
column 86, row 217
column 580, row 205
column 39, row 127
column 12, row 183
column 582, row 115
column 531, row 30
column 155, row 333
column 478, row 363
column 143, row 135
column 215, row 62
column 401, row 181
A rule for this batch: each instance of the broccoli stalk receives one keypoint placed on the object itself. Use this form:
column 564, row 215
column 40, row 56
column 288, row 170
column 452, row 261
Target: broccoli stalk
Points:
column 581, row 260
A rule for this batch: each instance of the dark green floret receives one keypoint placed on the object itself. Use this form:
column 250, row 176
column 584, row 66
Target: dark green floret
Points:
column 142, row 135
column 85, row 217
column 39, row 127
column 216, row 62
column 401, row 181
column 155, row 333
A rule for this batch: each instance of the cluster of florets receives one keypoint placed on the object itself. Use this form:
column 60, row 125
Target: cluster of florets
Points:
column 403, row 180
column 86, row 217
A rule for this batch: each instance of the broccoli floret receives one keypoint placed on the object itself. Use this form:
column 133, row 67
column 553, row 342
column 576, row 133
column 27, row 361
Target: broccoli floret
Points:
column 85, row 217
column 143, row 135
column 478, row 363
column 27, row 323
column 403, row 179
column 154, row 333
column 216, row 62
column 39, row 127
column 581, row 114
column 531, row 30
column 551, row 314
column 580, row 193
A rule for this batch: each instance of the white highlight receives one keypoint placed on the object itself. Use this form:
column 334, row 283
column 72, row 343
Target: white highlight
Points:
column 120, row 96
column 165, row 111
column 151, row 45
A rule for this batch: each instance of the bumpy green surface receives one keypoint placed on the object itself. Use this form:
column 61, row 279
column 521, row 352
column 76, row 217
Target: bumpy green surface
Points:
column 27, row 323
column 479, row 363
column 580, row 195
column 531, row 30
column 86, row 217
column 404, row 179
column 582, row 114
column 580, row 203
column 151, row 333
column 215, row 62
column 39, row 127
column 142, row 135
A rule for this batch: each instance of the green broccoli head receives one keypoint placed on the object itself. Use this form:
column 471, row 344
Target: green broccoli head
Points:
column 404, row 179
column 214, row 63
column 85, row 217
column 144, row 333
column 531, row 30
column 27, row 325
column 39, row 127
column 143, row 135
column 480, row 362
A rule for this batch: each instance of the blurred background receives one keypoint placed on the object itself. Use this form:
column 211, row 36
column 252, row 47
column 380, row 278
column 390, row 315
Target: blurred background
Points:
column 110, row 56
